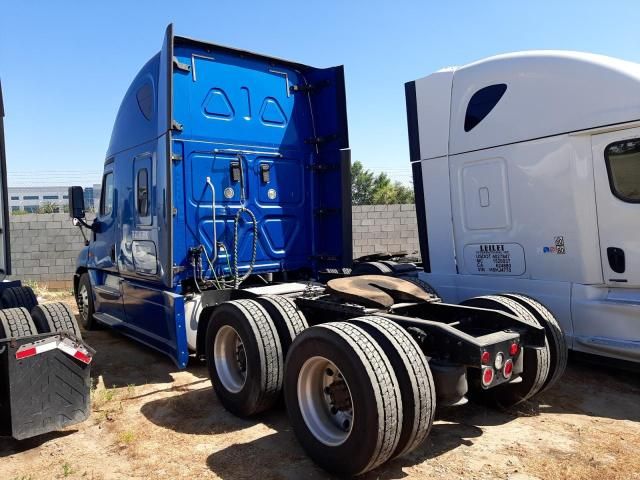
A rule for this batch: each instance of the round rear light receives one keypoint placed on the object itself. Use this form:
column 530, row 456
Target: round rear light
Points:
column 514, row 349
column 487, row 376
column 485, row 358
column 508, row 369
column 499, row 361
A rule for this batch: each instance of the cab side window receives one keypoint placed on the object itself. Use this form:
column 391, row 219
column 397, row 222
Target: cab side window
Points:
column 481, row 103
column 106, row 198
column 623, row 167
column 142, row 192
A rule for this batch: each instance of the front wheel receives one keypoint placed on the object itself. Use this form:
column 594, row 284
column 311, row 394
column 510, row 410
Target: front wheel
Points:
column 84, row 300
column 343, row 398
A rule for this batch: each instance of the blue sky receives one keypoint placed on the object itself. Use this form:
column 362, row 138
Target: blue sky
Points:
column 65, row 65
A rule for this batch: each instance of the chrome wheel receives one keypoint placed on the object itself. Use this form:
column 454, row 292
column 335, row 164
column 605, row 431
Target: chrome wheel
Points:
column 325, row 401
column 83, row 303
column 230, row 359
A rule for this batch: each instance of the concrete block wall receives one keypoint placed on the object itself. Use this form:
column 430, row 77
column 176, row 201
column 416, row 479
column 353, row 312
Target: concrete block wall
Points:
column 44, row 247
column 384, row 228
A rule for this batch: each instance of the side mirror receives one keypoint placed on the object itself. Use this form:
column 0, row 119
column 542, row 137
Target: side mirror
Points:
column 76, row 202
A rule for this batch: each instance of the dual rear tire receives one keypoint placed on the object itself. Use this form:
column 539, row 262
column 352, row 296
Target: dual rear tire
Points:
column 357, row 393
column 45, row 318
column 542, row 366
column 246, row 344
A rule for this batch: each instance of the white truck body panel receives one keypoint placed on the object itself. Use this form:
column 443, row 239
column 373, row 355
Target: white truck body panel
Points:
column 548, row 93
column 433, row 113
column 524, row 200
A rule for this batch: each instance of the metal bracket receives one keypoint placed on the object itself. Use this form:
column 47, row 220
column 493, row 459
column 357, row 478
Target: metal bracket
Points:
column 176, row 157
column 320, row 140
column 176, row 126
column 309, row 88
column 185, row 67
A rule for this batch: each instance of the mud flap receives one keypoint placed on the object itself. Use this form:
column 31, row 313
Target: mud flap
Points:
column 42, row 392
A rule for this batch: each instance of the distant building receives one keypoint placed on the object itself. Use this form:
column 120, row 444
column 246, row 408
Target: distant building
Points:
column 31, row 199
column 97, row 188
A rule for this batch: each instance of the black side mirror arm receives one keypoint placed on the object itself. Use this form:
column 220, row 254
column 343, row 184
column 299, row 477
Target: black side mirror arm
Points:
column 84, row 224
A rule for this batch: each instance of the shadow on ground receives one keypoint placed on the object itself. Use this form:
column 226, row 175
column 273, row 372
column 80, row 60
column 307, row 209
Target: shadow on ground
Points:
column 280, row 455
column 122, row 362
column 10, row 446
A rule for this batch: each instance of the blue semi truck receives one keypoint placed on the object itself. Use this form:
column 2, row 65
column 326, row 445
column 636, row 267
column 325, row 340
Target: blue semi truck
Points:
column 224, row 234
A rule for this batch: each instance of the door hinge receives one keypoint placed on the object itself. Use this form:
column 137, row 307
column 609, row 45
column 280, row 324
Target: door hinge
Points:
column 174, row 211
column 185, row 67
column 176, row 157
column 310, row 87
column 320, row 140
column 176, row 126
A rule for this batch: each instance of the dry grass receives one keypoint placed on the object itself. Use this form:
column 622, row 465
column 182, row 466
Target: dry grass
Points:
column 42, row 290
column 127, row 437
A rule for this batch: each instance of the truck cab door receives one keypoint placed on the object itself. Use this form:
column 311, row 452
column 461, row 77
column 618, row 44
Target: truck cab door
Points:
column 616, row 165
column 103, row 253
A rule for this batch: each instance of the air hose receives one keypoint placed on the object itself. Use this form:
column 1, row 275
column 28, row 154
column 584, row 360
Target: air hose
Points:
column 237, row 279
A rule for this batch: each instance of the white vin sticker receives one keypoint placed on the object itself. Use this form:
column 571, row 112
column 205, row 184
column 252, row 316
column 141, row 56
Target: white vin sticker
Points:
column 494, row 259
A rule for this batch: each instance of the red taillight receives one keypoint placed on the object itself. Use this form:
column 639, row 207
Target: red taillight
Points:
column 508, row 369
column 82, row 357
column 487, row 376
column 26, row 353
column 485, row 358
column 514, row 349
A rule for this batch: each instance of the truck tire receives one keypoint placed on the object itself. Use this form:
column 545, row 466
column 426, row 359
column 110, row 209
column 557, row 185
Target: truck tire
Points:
column 288, row 319
column 333, row 372
column 536, row 360
column 371, row 268
column 17, row 323
column 244, row 357
column 84, row 300
column 410, row 366
column 424, row 286
column 55, row 317
column 555, row 336
column 16, row 297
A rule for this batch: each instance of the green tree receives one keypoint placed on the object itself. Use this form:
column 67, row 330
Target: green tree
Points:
column 48, row 207
column 368, row 188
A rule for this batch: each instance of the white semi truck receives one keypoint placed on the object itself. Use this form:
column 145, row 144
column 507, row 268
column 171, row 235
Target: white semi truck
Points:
column 527, row 176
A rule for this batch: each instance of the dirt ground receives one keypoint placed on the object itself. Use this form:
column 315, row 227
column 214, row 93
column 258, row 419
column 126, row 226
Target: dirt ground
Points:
column 151, row 420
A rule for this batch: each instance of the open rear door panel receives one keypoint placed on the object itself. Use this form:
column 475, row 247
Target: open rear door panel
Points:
column 271, row 136
column 332, row 179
